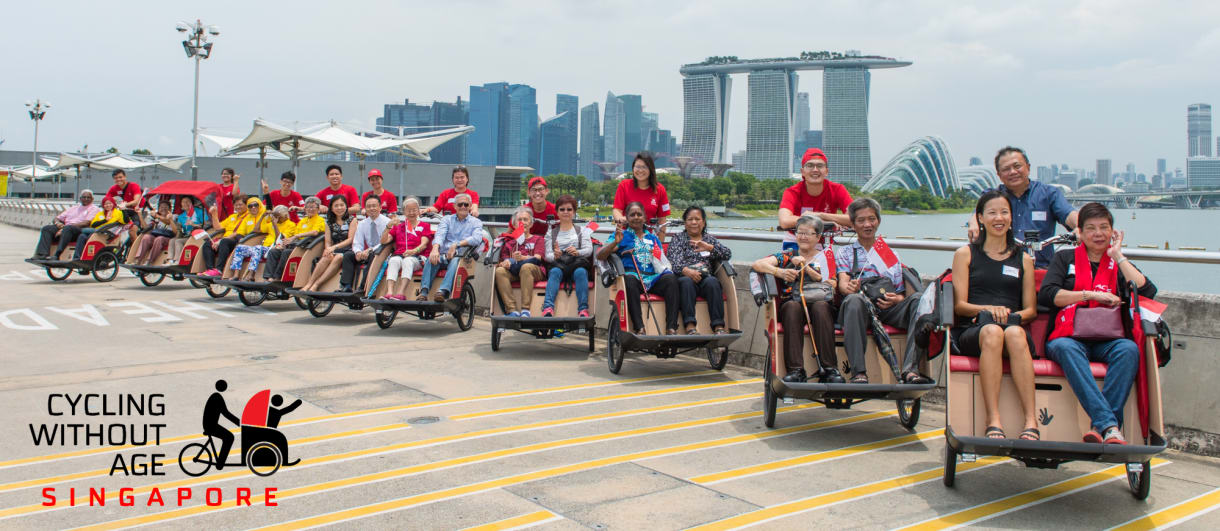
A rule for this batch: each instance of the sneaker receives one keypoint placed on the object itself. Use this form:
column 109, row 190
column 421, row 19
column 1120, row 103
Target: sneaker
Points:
column 514, row 314
column 583, row 314
column 1113, row 435
column 548, row 312
column 1093, row 437
column 525, row 313
column 212, row 273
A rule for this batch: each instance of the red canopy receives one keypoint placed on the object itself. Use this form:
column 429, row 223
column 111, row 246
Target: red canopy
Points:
column 206, row 192
column 255, row 413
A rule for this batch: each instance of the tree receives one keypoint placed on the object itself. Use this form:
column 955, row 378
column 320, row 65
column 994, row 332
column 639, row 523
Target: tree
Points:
column 141, row 151
column 112, row 150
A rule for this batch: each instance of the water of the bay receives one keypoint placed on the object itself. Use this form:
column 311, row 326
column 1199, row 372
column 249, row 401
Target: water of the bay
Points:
column 1180, row 228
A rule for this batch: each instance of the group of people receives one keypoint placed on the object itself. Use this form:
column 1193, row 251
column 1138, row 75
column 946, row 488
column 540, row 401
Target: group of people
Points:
column 819, row 286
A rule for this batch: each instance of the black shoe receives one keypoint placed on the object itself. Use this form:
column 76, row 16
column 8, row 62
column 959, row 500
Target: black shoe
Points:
column 830, row 375
column 924, row 326
column 344, row 289
column 795, row 376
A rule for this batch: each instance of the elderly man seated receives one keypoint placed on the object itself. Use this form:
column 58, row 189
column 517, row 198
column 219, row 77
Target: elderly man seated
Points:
column 456, row 231
column 66, row 226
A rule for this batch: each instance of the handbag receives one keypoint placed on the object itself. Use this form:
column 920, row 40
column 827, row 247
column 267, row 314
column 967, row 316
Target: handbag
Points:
column 1098, row 324
column 874, row 288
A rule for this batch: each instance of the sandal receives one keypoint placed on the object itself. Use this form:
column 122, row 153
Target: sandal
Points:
column 720, row 331
column 915, row 378
column 692, row 331
column 994, row 432
column 859, row 378
column 1030, row 434
column 671, row 332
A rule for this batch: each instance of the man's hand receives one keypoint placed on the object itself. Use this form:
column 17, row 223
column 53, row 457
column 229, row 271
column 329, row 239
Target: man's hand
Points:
column 434, row 258
column 215, row 244
column 692, row 274
column 266, row 189
column 852, row 286
column 505, row 264
column 972, row 228
column 518, row 256
column 362, row 255
column 889, row 300
column 452, row 251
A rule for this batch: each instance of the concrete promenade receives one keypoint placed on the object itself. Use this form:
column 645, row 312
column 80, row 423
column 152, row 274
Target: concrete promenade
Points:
column 424, row 427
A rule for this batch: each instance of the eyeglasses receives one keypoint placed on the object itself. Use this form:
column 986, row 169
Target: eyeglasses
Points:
column 809, row 234
column 538, row 189
column 567, row 209
column 816, row 166
column 463, row 204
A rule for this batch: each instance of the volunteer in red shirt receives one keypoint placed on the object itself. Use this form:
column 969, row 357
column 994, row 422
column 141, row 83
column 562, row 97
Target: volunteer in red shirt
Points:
column 444, row 202
column 815, row 193
column 334, row 176
column 229, row 188
column 389, row 202
column 643, row 187
column 285, row 196
column 543, row 210
column 126, row 197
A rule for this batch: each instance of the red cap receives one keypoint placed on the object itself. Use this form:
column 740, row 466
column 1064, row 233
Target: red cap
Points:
column 814, row 152
column 536, row 180
column 374, row 173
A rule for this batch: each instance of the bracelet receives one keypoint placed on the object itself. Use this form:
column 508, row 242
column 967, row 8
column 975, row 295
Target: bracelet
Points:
column 1084, row 296
column 1120, row 261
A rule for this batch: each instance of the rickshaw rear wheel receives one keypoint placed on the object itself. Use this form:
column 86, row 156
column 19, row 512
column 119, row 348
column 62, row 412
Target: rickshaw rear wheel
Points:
column 197, row 284
column 950, row 466
column 58, row 273
column 319, row 308
column 301, row 303
column 215, row 292
column 908, row 412
column 718, row 357
column 385, row 318
column 467, row 308
column 105, row 266
column 592, row 338
column 1140, row 482
column 614, row 349
column 495, row 338
column 195, row 459
column 261, row 471
column 251, row 298
column 770, row 400
column 146, row 278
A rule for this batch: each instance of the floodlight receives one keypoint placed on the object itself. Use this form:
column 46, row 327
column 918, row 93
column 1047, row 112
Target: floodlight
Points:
column 183, row 27
column 213, row 30
column 190, row 51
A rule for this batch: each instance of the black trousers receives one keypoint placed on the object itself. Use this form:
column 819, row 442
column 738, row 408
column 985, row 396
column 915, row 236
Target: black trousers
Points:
column 216, row 258
column 708, row 288
column 46, row 238
column 276, row 260
column 66, row 238
column 350, row 264
column 666, row 286
column 823, row 327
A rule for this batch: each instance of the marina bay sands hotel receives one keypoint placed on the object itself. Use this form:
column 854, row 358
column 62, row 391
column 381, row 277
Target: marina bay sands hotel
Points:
column 772, row 111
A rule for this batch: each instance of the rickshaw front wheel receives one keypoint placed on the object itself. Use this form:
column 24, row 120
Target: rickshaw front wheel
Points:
column 259, row 450
column 770, row 400
column 1140, row 482
column 385, row 318
column 151, row 279
column 465, row 314
column 614, row 349
column 950, row 465
column 105, row 266
column 718, row 357
column 195, row 459
column 251, row 298
column 58, row 273
column 214, row 290
column 908, row 412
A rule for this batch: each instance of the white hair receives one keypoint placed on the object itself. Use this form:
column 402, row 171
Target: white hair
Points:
column 467, row 196
column 410, row 199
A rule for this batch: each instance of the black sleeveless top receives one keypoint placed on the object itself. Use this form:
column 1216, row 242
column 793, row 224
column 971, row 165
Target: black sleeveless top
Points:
column 338, row 231
column 994, row 282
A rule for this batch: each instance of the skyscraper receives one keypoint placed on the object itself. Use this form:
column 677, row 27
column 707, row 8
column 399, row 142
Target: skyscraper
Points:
column 845, row 94
column 705, row 118
column 804, row 141
column 660, row 143
column 555, row 154
column 769, row 124
column 412, row 117
column 649, row 122
column 569, row 106
column 590, row 142
column 1199, row 130
column 613, row 131
column 522, row 131
column 802, row 113
column 1103, row 172
column 450, row 115
column 488, row 114
column 633, row 127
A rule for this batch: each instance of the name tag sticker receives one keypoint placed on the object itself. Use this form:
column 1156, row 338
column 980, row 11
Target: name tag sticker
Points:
column 705, row 253
column 1038, row 215
column 1071, row 269
column 452, row 199
column 1011, row 271
column 806, row 209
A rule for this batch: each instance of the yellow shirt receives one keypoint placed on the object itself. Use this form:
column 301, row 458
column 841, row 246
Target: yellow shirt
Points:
column 230, row 224
column 99, row 219
column 311, row 224
column 248, row 224
column 287, row 228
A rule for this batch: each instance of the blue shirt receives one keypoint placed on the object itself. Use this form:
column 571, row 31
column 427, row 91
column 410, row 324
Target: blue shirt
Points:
column 189, row 223
column 1039, row 208
column 453, row 230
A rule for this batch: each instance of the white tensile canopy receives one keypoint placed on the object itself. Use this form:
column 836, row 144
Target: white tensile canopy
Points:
column 328, row 137
column 115, row 161
column 25, row 173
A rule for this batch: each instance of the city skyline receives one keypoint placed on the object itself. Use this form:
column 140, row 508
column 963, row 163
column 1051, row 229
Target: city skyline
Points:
column 974, row 84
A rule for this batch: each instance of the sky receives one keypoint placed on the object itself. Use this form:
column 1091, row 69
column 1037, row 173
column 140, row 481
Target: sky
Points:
column 1069, row 81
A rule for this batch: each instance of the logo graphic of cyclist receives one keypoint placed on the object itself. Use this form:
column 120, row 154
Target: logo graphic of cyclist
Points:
column 263, row 447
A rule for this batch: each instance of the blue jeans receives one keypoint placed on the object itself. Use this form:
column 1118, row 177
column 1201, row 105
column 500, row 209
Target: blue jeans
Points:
column 580, row 278
column 429, row 274
column 1105, row 407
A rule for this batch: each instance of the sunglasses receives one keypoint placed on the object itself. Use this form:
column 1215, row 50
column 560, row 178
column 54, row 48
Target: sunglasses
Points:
column 463, row 204
column 251, row 205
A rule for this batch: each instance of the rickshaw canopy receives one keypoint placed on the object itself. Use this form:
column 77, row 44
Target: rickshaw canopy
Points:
column 255, row 413
column 205, row 191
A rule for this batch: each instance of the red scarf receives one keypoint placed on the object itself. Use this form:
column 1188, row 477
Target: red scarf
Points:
column 1106, row 280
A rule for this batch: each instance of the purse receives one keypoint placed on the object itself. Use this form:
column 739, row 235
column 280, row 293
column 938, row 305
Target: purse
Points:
column 1102, row 323
column 874, row 288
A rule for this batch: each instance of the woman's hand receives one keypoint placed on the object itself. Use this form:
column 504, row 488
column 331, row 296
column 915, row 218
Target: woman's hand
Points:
column 702, row 246
column 1105, row 297
column 571, row 250
column 787, row 275
column 999, row 313
column 692, row 274
column 1116, row 246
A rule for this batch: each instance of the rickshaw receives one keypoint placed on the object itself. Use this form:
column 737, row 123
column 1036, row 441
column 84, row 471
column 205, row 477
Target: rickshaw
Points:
column 319, row 303
column 460, row 303
column 299, row 265
column 1062, row 420
column 264, row 449
column 565, row 318
column 620, row 339
column 100, row 257
column 190, row 259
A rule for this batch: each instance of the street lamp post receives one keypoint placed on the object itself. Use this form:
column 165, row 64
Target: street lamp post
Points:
column 38, row 111
column 197, row 46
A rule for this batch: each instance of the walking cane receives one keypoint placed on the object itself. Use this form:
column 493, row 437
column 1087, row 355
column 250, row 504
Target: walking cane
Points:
column 808, row 322
column 646, row 298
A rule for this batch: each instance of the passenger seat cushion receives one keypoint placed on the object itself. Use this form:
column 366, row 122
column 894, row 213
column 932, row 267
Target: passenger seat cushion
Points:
column 1042, row 367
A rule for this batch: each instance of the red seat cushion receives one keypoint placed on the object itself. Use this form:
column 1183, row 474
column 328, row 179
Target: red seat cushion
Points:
column 1042, row 367
column 779, row 327
column 541, row 284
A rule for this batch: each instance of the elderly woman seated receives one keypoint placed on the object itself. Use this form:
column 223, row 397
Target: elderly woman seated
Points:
column 568, row 249
column 694, row 253
column 806, row 288
column 520, row 261
column 164, row 227
column 645, row 268
column 411, row 238
column 276, row 226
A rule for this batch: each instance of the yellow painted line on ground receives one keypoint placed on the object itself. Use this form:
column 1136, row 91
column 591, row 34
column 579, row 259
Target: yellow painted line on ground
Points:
column 361, row 413
column 55, row 480
column 517, row 522
column 361, row 512
column 1175, row 514
column 817, row 457
column 1025, row 499
column 382, row 450
column 823, row 501
column 598, row 399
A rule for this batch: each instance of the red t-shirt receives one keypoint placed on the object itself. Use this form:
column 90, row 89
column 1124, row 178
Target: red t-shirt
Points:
column 225, row 201
column 404, row 239
column 656, row 205
column 540, row 218
column 834, row 198
column 444, row 202
column 389, row 202
column 294, row 199
column 345, row 190
column 129, row 193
